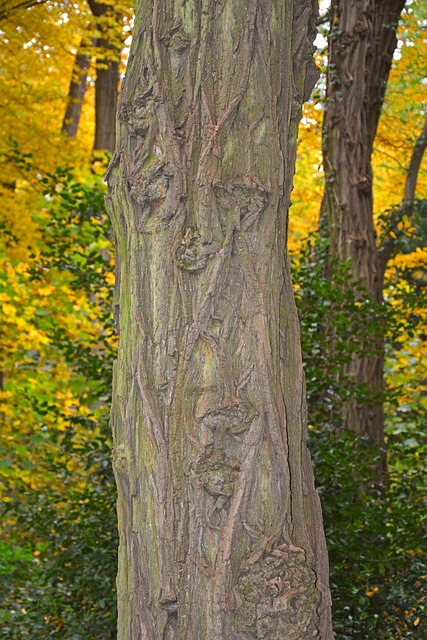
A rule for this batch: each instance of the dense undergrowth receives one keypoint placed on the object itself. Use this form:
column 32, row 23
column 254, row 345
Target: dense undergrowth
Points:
column 376, row 530
column 58, row 555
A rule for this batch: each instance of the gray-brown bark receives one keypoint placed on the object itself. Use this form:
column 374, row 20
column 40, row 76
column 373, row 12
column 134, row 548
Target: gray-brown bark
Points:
column 106, row 94
column 361, row 45
column 76, row 92
column 220, row 526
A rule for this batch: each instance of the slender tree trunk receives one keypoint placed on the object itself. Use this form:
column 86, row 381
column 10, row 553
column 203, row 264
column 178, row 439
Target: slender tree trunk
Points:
column 361, row 45
column 220, row 525
column 76, row 92
column 107, row 83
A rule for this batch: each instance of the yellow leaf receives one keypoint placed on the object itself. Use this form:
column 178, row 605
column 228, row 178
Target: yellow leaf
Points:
column 9, row 309
column 109, row 278
column 46, row 291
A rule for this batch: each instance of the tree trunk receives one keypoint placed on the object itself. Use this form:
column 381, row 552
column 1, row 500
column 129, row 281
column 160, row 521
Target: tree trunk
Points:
column 76, row 92
column 361, row 45
column 107, row 84
column 220, row 525
column 106, row 93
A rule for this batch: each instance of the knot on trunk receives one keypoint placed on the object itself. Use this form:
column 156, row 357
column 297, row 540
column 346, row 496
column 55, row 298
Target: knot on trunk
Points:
column 149, row 189
column 177, row 41
column 231, row 419
column 192, row 254
column 217, row 473
column 275, row 596
column 241, row 203
column 364, row 184
column 137, row 114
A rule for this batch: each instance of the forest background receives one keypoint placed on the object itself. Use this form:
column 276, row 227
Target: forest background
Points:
column 61, row 64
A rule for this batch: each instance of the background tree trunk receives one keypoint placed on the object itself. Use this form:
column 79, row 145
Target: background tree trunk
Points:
column 106, row 93
column 76, row 92
column 107, row 83
column 220, row 525
column 361, row 45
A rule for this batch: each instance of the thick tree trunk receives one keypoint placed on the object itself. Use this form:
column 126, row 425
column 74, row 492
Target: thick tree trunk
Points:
column 220, row 525
column 361, row 45
column 76, row 92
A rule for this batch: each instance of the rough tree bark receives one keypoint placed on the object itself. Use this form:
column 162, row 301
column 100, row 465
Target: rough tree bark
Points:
column 361, row 45
column 107, row 85
column 76, row 92
column 220, row 525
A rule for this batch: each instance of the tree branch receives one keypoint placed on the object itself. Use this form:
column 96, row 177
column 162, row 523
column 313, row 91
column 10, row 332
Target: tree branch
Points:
column 6, row 10
column 388, row 245
column 413, row 171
